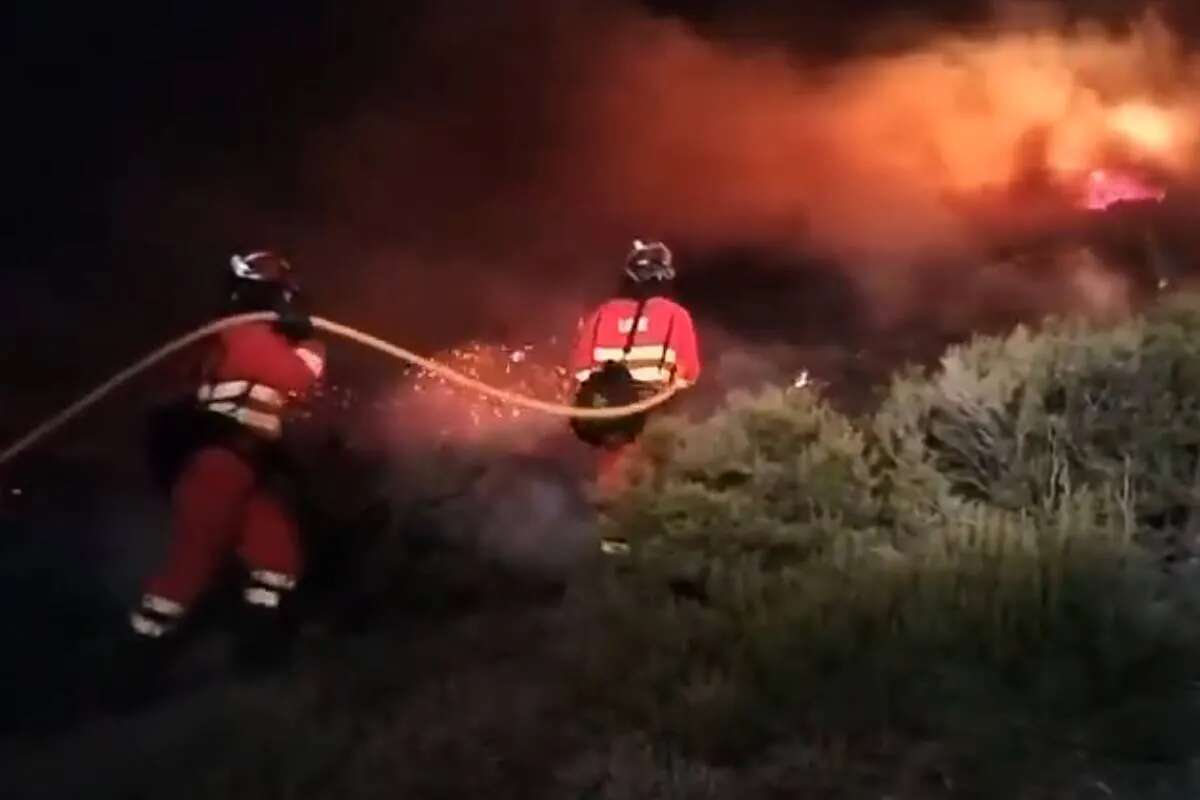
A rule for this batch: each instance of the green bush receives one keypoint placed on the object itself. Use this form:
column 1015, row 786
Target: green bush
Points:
column 1020, row 423
column 780, row 478
column 969, row 564
column 960, row 594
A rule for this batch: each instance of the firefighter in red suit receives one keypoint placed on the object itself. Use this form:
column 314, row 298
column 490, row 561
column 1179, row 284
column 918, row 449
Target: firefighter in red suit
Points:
column 632, row 347
column 229, row 493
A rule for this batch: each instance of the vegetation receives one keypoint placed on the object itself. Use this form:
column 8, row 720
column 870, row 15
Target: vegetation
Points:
column 996, row 562
column 983, row 588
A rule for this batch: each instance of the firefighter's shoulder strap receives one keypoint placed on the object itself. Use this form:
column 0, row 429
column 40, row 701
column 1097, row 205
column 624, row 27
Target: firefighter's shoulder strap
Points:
column 662, row 361
column 596, row 330
column 633, row 326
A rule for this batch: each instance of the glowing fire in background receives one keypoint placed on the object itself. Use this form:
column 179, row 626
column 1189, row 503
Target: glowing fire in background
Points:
column 824, row 157
column 1149, row 128
column 1106, row 188
column 883, row 163
column 1149, row 133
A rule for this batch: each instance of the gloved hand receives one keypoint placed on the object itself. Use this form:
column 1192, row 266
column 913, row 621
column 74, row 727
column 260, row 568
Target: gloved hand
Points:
column 293, row 323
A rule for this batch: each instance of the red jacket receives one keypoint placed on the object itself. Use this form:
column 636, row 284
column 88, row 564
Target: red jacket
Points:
column 662, row 351
column 254, row 372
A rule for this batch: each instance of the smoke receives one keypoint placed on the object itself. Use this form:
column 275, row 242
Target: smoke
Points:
column 478, row 172
column 478, row 175
column 882, row 163
column 485, row 180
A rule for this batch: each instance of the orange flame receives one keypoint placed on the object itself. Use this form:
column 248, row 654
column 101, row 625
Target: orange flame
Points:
column 873, row 157
column 1106, row 188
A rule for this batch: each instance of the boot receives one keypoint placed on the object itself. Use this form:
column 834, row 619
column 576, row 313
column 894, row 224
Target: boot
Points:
column 265, row 641
column 137, row 672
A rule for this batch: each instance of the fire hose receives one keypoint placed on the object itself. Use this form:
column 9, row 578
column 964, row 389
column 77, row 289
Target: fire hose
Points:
column 51, row 425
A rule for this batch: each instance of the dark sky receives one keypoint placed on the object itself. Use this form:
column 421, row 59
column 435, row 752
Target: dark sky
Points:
column 154, row 138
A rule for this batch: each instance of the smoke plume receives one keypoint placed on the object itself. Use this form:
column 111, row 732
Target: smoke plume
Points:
column 483, row 179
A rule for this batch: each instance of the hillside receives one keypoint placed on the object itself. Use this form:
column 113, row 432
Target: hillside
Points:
column 984, row 587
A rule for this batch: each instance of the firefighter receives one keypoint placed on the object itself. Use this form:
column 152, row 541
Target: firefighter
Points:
column 633, row 346
column 229, row 489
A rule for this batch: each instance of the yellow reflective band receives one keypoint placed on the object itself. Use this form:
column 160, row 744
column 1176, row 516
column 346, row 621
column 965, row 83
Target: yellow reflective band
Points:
column 650, row 374
column 258, row 596
column 146, row 626
column 268, row 423
column 232, row 390
column 267, row 396
column 314, row 362
column 645, row 352
column 614, row 547
column 161, row 605
column 276, row 580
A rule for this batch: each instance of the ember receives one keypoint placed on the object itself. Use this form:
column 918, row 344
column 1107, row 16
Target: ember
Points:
column 429, row 403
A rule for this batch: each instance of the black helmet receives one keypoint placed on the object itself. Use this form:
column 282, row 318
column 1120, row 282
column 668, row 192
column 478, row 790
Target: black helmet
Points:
column 649, row 262
column 260, row 280
column 264, row 266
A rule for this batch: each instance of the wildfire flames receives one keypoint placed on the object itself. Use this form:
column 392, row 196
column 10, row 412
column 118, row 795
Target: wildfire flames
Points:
column 1151, row 129
column 563, row 130
column 875, row 159
column 1106, row 188
column 881, row 163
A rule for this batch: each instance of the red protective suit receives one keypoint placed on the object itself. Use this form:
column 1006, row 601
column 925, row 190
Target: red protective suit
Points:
column 221, row 501
column 662, row 351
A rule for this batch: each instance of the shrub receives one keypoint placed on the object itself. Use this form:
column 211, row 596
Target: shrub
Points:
column 957, row 595
column 968, row 564
column 1020, row 423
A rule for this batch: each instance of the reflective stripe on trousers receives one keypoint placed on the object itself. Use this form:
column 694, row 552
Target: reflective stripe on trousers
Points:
column 155, row 616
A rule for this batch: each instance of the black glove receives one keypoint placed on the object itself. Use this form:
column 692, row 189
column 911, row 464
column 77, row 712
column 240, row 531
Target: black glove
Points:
column 293, row 323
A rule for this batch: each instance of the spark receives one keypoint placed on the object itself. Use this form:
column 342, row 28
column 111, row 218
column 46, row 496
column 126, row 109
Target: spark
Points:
column 529, row 370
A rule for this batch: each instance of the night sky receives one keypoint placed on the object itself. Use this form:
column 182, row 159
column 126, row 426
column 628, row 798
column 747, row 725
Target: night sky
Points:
column 409, row 156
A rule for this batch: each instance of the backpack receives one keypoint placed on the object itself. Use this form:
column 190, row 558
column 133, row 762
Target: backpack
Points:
column 611, row 386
